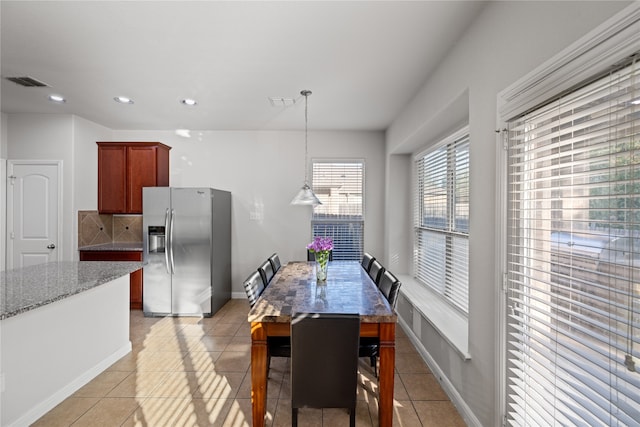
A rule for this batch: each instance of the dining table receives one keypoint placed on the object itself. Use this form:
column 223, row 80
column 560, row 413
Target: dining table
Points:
column 347, row 289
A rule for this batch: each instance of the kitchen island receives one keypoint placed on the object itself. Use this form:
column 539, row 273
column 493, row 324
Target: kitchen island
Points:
column 61, row 324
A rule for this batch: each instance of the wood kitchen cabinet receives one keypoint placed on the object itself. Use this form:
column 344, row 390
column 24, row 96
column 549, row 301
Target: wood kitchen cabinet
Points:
column 124, row 168
column 135, row 278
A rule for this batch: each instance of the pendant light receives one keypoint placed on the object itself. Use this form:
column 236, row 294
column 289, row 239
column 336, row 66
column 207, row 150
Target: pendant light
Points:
column 305, row 196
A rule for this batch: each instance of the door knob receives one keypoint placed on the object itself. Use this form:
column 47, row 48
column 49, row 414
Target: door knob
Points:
column 51, row 246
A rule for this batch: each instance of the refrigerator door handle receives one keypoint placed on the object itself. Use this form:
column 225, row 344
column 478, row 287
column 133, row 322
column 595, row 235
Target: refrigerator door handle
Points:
column 167, row 242
column 173, row 267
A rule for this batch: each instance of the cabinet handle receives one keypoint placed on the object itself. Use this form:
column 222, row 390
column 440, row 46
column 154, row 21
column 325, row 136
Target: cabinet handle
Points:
column 51, row 246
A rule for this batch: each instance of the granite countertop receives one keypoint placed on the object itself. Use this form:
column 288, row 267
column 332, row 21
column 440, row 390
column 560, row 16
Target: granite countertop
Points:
column 31, row 287
column 348, row 289
column 137, row 246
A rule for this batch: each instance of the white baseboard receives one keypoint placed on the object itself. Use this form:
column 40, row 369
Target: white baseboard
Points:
column 457, row 400
column 45, row 406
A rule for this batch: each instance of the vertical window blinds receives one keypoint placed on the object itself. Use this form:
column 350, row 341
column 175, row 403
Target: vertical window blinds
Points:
column 573, row 255
column 441, row 249
column 340, row 187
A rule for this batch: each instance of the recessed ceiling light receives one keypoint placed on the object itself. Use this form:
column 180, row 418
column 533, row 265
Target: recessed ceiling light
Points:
column 185, row 133
column 190, row 102
column 123, row 100
column 57, row 98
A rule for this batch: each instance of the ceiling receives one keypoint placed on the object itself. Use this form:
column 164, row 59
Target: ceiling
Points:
column 363, row 60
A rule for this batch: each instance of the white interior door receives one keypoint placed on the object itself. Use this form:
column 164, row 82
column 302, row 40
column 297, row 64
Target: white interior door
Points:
column 34, row 199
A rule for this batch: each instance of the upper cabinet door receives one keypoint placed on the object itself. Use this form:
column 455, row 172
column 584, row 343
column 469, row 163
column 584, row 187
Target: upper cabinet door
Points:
column 121, row 177
column 142, row 172
column 112, row 178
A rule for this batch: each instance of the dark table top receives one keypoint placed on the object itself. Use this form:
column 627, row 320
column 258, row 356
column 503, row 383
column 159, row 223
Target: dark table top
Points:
column 348, row 289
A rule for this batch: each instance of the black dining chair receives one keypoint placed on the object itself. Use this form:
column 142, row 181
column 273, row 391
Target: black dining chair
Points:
column 266, row 272
column 390, row 288
column 275, row 262
column 367, row 259
column 311, row 256
column 324, row 362
column 370, row 346
column 276, row 346
column 376, row 271
column 253, row 286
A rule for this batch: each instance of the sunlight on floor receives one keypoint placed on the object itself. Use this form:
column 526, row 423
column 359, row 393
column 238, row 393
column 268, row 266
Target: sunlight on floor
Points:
column 196, row 372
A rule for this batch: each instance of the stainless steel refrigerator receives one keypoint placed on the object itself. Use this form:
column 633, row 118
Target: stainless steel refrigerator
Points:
column 187, row 251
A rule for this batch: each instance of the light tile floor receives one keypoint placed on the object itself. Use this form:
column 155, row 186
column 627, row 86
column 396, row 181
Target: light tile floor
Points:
column 195, row 372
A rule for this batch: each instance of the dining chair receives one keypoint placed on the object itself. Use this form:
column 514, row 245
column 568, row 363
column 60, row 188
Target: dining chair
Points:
column 266, row 272
column 275, row 262
column 276, row 346
column 370, row 346
column 311, row 256
column 367, row 259
column 375, row 271
column 253, row 286
column 324, row 362
column 390, row 288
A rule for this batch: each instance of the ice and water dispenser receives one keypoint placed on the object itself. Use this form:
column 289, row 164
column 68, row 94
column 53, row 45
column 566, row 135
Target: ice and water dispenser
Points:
column 156, row 239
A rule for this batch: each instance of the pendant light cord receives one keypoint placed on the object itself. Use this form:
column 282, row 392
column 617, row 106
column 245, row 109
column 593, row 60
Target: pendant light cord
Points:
column 305, row 196
column 306, row 94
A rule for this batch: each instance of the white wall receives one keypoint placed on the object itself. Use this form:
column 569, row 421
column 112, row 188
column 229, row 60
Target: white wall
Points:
column 3, row 191
column 506, row 41
column 3, row 136
column 85, row 161
column 264, row 170
column 61, row 137
column 398, row 243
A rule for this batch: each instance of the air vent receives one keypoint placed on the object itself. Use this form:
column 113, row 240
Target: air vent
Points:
column 27, row 81
column 279, row 101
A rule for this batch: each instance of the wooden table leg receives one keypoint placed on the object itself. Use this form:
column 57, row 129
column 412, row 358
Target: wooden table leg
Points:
column 258, row 373
column 386, row 373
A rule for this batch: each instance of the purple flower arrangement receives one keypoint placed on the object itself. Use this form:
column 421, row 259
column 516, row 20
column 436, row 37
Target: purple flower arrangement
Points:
column 320, row 244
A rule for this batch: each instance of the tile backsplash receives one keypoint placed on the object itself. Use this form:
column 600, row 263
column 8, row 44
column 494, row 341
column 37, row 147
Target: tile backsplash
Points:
column 96, row 229
column 127, row 228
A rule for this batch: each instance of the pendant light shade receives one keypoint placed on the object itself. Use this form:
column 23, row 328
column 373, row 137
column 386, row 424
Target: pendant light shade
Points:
column 305, row 196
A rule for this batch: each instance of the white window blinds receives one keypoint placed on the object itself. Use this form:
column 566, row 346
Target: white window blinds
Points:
column 573, row 255
column 340, row 187
column 441, row 249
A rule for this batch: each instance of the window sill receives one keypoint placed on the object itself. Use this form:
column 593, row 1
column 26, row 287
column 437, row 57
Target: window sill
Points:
column 447, row 321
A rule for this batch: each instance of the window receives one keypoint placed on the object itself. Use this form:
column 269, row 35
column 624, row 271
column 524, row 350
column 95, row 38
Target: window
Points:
column 441, row 249
column 340, row 187
column 573, row 258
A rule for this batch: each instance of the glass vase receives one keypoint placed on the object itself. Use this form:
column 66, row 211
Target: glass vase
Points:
column 322, row 264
